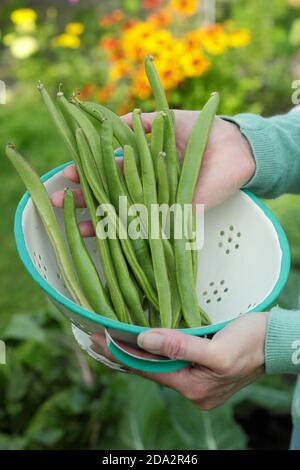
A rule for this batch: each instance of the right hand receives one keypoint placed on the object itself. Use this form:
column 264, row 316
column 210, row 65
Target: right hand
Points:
column 227, row 163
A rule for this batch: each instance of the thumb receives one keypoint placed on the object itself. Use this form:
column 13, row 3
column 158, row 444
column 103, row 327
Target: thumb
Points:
column 176, row 345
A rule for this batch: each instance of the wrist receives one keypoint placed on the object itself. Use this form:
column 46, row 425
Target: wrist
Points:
column 247, row 160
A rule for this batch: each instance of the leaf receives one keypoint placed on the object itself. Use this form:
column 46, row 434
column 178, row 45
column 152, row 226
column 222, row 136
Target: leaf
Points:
column 23, row 327
column 144, row 423
column 17, row 380
column 211, row 430
column 8, row 442
column 290, row 296
column 266, row 397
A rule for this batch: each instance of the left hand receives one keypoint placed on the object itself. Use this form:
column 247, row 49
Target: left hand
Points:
column 220, row 366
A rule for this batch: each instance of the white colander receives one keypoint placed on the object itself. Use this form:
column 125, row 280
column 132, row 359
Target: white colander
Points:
column 243, row 266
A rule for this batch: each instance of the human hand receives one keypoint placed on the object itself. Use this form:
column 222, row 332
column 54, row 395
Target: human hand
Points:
column 220, row 366
column 226, row 166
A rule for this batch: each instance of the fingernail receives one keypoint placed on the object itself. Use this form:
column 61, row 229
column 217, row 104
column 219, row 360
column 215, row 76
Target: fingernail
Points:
column 151, row 341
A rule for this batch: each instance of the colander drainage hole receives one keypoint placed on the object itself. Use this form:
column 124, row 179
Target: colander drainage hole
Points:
column 227, row 252
column 208, row 301
column 219, row 299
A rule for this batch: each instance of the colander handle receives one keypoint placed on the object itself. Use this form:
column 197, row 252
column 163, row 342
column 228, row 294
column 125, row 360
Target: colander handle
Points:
column 134, row 361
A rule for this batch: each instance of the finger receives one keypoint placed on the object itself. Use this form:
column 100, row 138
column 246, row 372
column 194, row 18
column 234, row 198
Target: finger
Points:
column 86, row 228
column 176, row 345
column 147, row 119
column 70, row 172
column 57, row 198
column 175, row 380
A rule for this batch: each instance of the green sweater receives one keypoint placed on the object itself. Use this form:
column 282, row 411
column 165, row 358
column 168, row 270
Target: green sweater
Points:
column 275, row 144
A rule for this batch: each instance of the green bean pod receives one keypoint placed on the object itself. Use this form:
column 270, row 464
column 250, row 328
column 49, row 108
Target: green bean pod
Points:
column 186, row 187
column 103, row 244
column 41, row 200
column 156, row 246
column 170, row 135
column 116, row 223
column 91, row 134
column 157, row 137
column 131, row 174
column 62, row 126
column 195, row 253
column 117, row 189
column 121, row 131
column 59, row 121
column 84, row 265
column 162, row 180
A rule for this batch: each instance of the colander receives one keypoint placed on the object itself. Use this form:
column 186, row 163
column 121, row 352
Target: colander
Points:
column 243, row 265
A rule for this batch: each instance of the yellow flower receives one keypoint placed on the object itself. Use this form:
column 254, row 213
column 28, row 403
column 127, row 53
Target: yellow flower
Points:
column 75, row 29
column 185, row 7
column 169, row 71
column 158, row 42
column 193, row 39
column 214, row 39
column 26, row 27
column 67, row 40
column 194, row 64
column 134, row 39
column 23, row 15
column 118, row 70
column 140, row 86
column 239, row 38
column 24, row 47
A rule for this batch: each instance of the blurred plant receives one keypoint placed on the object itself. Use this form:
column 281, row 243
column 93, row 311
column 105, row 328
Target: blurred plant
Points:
column 179, row 53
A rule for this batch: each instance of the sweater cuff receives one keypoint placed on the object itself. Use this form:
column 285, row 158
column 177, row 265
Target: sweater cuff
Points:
column 282, row 345
column 270, row 169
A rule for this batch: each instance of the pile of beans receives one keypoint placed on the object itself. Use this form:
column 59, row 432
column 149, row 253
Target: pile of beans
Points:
column 149, row 281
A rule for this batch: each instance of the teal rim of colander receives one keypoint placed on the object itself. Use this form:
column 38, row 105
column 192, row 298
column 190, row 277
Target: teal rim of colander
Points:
column 108, row 323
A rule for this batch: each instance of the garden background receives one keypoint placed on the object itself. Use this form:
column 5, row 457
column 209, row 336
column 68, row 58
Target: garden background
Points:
column 51, row 395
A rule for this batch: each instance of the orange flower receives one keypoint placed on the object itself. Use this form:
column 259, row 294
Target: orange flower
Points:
column 134, row 39
column 118, row 70
column 87, row 91
column 194, row 64
column 214, row 39
column 105, row 93
column 170, row 72
column 161, row 18
column 115, row 17
column 185, row 7
column 140, row 86
column 150, row 4
column 193, row 39
column 109, row 44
